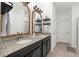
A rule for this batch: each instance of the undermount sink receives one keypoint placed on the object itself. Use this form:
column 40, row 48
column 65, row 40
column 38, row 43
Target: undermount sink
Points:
column 24, row 41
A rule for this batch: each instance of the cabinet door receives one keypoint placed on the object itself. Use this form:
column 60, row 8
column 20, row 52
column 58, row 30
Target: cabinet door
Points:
column 44, row 49
column 37, row 52
column 48, row 46
column 49, row 43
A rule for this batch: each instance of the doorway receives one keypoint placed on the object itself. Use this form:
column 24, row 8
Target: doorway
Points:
column 64, row 31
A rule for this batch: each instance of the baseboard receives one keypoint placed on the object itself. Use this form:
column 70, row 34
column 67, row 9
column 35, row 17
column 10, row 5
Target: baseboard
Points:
column 78, row 48
column 52, row 47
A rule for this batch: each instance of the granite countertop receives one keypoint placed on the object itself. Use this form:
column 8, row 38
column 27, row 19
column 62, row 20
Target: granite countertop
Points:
column 9, row 47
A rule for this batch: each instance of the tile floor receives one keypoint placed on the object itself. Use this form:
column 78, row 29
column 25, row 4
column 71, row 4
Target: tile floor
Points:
column 60, row 50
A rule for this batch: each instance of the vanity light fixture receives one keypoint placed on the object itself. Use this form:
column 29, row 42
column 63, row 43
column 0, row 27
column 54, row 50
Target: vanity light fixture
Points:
column 25, row 3
column 37, row 9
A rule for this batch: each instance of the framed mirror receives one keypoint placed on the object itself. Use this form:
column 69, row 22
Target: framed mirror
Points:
column 17, row 20
column 37, row 22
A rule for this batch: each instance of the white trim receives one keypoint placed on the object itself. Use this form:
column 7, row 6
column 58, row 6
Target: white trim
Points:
column 78, row 48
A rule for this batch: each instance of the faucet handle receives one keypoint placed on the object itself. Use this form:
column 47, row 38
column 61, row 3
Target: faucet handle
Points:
column 18, row 35
column 22, row 36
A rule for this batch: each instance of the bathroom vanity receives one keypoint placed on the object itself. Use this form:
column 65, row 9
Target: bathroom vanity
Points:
column 38, row 47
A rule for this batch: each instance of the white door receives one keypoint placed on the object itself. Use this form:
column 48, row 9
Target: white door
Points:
column 68, row 31
column 64, row 31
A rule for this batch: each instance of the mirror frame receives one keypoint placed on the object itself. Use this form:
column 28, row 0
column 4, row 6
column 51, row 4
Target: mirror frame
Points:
column 33, row 18
column 12, row 35
column 0, row 23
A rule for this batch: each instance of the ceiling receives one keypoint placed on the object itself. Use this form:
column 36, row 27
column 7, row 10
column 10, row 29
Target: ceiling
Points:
column 64, row 5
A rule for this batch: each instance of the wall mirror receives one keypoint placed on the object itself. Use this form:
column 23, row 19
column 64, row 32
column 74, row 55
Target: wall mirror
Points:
column 37, row 22
column 17, row 20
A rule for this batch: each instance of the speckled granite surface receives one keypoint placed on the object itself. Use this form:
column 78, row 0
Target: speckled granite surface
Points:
column 9, row 47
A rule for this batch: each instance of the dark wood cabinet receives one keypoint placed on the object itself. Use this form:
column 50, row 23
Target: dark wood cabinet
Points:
column 38, row 49
column 37, row 52
column 44, row 49
column 46, row 46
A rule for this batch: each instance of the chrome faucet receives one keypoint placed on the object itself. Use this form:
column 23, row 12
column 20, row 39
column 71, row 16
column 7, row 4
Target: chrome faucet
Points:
column 19, row 35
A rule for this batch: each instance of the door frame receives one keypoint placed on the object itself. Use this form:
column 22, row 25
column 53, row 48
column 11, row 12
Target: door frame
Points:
column 77, row 32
